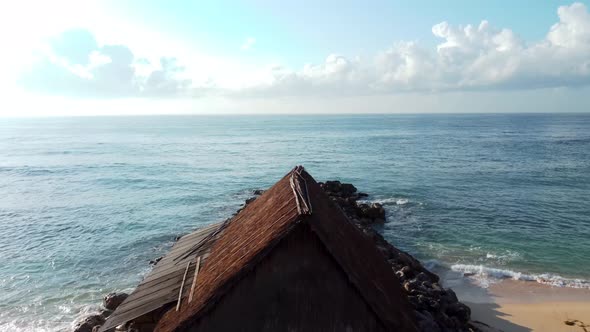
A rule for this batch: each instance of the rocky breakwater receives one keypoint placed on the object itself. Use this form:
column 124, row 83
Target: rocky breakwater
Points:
column 93, row 322
column 436, row 308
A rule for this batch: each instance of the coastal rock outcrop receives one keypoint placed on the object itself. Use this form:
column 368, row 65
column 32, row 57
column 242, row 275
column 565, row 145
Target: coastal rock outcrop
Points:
column 436, row 308
column 112, row 300
column 89, row 323
column 93, row 322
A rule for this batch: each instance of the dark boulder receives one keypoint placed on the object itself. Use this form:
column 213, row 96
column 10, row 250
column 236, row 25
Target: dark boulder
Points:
column 459, row 311
column 88, row 323
column 113, row 300
column 156, row 260
column 372, row 211
column 331, row 186
column 347, row 189
column 106, row 313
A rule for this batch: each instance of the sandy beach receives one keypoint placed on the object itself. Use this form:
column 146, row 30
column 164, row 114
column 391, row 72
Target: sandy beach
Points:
column 520, row 306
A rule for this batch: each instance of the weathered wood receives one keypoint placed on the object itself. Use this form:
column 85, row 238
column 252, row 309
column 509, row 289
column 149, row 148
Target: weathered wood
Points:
column 197, row 267
column 161, row 286
column 297, row 287
column 182, row 286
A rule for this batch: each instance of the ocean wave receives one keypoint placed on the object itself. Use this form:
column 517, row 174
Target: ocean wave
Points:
column 488, row 275
column 505, row 256
column 388, row 201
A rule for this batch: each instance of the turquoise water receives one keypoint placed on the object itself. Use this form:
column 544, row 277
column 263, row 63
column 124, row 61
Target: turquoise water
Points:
column 87, row 202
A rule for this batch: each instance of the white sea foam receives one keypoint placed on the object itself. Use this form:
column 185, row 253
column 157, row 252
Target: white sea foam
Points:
column 485, row 276
column 388, row 201
column 505, row 256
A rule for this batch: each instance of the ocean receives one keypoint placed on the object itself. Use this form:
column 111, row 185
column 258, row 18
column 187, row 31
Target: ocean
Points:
column 86, row 202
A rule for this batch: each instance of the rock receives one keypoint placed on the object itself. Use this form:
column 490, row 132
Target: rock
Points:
column 365, row 221
column 407, row 272
column 422, row 277
column 460, row 311
column 106, row 313
column 258, row 192
column 450, row 296
column 331, row 186
column 426, row 322
column 132, row 328
column 113, row 300
column 351, row 201
column 88, row 323
column 377, row 211
column 250, row 200
column 155, row 261
column 371, row 211
column 347, row 189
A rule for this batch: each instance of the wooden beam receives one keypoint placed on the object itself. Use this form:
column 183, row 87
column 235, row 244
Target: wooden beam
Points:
column 182, row 286
column 190, row 297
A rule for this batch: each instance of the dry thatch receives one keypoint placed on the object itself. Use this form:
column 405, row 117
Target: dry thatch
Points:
column 253, row 235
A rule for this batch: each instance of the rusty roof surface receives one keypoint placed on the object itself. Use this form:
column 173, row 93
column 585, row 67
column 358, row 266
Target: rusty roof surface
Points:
column 252, row 234
column 162, row 285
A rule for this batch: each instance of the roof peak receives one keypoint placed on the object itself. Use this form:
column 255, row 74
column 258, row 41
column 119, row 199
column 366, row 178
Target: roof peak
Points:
column 299, row 187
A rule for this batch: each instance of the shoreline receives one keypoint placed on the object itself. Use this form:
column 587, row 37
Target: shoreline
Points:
column 521, row 306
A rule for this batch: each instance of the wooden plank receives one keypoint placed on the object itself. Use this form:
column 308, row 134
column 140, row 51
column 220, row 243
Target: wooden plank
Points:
column 172, row 268
column 182, row 286
column 173, row 281
column 162, row 297
column 168, row 263
column 190, row 297
column 147, row 289
column 163, row 284
column 166, row 285
column 192, row 240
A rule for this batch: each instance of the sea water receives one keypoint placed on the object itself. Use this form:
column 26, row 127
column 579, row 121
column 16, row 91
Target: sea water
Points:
column 86, row 202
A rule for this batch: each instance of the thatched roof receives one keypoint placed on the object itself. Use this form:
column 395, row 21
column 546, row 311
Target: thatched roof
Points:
column 162, row 285
column 257, row 229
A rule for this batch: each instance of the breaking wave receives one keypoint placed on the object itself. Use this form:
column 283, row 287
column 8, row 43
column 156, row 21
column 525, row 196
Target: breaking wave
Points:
column 388, row 201
column 485, row 276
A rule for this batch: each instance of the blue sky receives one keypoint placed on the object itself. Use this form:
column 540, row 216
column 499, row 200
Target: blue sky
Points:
column 134, row 57
column 298, row 32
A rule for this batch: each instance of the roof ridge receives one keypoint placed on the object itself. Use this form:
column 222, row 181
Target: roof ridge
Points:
column 299, row 187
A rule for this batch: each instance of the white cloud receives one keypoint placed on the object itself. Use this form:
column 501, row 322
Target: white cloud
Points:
column 469, row 57
column 248, row 43
column 76, row 65
column 573, row 30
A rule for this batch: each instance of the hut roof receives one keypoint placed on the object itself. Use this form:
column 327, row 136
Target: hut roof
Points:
column 162, row 285
column 258, row 228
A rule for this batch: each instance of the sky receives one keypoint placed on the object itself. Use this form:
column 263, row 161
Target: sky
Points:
column 236, row 57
